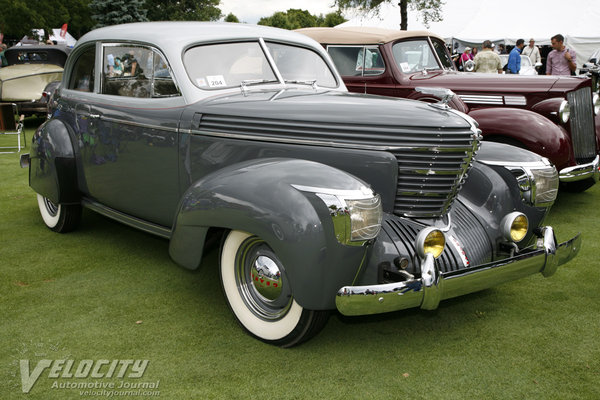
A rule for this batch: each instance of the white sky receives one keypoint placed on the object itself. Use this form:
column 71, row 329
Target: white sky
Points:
column 251, row 11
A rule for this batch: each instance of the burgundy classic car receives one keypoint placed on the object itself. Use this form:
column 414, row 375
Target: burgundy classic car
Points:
column 556, row 117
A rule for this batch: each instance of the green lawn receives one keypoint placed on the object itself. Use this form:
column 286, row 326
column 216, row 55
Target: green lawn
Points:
column 108, row 292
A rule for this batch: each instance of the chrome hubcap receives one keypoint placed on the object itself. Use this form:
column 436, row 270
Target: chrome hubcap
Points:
column 50, row 207
column 266, row 278
column 261, row 280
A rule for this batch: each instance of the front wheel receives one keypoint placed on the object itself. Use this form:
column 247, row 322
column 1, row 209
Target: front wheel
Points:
column 59, row 217
column 259, row 293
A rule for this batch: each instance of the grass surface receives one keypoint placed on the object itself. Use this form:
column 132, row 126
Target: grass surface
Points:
column 109, row 292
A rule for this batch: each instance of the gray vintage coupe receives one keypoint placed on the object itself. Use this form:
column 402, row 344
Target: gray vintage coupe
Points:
column 321, row 199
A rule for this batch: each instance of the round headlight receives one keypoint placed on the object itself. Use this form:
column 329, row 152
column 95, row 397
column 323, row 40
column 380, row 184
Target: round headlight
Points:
column 515, row 226
column 564, row 112
column 430, row 240
column 596, row 102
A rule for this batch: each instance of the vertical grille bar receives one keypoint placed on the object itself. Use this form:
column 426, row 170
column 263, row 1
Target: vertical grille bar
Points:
column 583, row 132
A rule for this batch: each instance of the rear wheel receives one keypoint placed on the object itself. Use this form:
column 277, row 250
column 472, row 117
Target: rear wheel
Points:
column 259, row 293
column 59, row 217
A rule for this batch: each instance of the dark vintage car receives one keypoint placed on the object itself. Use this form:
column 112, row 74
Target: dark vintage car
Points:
column 556, row 117
column 31, row 74
column 322, row 199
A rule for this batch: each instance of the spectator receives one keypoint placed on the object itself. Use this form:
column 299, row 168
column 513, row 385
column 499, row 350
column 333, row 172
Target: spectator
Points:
column 501, row 49
column 561, row 60
column 466, row 56
column 3, row 62
column 487, row 61
column 514, row 58
column 532, row 52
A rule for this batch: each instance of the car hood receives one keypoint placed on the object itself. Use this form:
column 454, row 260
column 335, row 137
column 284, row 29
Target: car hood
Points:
column 461, row 82
column 23, row 70
column 333, row 107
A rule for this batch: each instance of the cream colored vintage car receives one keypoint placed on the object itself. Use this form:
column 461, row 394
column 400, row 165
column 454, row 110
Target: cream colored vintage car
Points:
column 30, row 73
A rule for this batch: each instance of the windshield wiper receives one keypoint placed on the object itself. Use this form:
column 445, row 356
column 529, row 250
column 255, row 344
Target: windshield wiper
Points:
column 310, row 82
column 249, row 82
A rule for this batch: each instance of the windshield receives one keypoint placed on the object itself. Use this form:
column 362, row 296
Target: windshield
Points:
column 414, row 56
column 226, row 65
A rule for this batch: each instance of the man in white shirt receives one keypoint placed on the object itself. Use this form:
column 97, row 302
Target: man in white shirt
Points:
column 532, row 52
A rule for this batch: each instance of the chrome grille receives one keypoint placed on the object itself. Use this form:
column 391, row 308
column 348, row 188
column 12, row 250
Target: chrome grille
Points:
column 583, row 130
column 432, row 162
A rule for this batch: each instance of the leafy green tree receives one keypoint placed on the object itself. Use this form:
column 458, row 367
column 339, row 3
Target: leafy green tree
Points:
column 231, row 18
column 18, row 17
column 431, row 10
column 112, row 12
column 183, row 10
column 333, row 19
column 296, row 18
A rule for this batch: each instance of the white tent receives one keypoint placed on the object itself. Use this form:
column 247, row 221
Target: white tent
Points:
column 469, row 22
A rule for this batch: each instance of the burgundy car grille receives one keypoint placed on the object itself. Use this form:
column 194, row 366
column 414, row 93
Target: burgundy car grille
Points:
column 432, row 162
column 583, row 130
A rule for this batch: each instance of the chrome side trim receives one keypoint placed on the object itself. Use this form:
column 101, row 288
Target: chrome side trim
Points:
column 123, row 218
column 482, row 99
column 322, row 143
column 362, row 193
column 515, row 100
column 133, row 123
column 425, row 292
column 580, row 172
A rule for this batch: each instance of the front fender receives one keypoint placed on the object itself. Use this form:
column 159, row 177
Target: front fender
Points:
column 534, row 131
column 258, row 197
column 52, row 169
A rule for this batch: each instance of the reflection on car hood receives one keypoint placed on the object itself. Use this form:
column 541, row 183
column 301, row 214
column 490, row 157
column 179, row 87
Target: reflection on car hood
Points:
column 333, row 107
column 461, row 82
column 22, row 70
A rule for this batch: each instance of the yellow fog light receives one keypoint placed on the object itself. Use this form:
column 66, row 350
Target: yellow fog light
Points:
column 430, row 240
column 515, row 226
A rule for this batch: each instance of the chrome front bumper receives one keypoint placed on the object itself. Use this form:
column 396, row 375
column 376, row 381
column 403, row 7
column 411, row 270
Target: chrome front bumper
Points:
column 581, row 172
column 426, row 292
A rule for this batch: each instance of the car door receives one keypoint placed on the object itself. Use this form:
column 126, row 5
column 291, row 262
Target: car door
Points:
column 362, row 67
column 127, row 132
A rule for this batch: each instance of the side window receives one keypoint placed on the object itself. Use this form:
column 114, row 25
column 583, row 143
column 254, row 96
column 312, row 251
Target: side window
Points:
column 357, row 60
column 82, row 74
column 136, row 71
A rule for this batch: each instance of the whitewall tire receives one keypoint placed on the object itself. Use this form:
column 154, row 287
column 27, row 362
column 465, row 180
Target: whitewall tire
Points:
column 259, row 294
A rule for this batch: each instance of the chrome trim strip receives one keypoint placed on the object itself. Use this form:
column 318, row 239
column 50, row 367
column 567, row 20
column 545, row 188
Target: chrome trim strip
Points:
column 136, row 124
column 515, row 100
column 134, row 222
column 425, row 292
column 544, row 162
column 482, row 99
column 580, row 172
column 321, row 143
column 265, row 49
column 359, row 194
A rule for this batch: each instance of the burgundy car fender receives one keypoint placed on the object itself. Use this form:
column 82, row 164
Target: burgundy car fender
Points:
column 527, row 129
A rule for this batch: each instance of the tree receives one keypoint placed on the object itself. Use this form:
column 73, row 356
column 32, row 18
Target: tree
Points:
column 18, row 17
column 112, row 12
column 333, row 19
column 231, row 18
column 183, row 10
column 296, row 18
column 431, row 10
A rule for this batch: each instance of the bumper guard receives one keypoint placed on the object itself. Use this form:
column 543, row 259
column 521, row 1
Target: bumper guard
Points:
column 427, row 292
column 581, row 172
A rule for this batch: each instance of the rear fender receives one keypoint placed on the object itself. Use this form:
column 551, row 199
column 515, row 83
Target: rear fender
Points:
column 52, row 169
column 258, row 197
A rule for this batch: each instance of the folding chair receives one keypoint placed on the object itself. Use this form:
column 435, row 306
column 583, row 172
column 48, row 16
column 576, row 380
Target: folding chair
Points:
column 9, row 125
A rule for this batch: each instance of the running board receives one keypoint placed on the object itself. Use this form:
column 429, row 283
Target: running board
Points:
column 134, row 222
